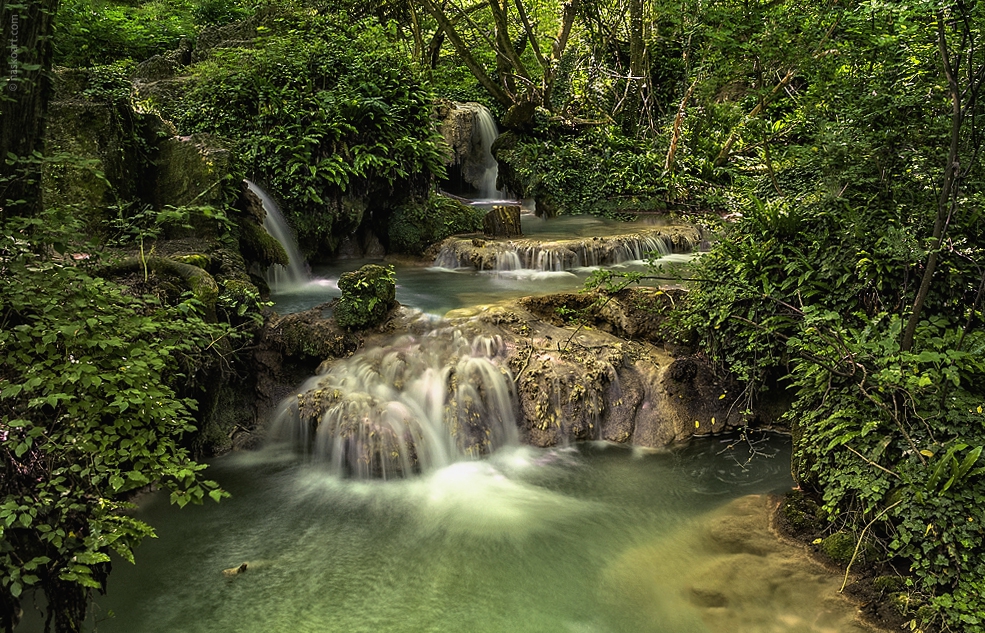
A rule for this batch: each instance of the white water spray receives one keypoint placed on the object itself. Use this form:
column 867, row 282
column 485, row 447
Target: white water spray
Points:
column 485, row 127
column 418, row 404
column 295, row 274
column 558, row 256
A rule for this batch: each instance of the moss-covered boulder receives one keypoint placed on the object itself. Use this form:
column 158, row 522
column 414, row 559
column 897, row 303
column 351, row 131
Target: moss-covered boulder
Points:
column 94, row 144
column 417, row 224
column 368, row 294
column 190, row 171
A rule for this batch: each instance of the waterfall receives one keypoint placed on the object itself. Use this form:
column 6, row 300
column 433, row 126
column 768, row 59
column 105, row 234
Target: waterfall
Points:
column 295, row 274
column 559, row 255
column 485, row 126
column 415, row 405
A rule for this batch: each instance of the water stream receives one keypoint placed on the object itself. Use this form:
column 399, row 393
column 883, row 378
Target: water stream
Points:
column 394, row 497
column 437, row 289
column 528, row 540
column 279, row 278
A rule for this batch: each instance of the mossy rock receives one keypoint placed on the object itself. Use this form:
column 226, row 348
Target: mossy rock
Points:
column 368, row 294
column 802, row 514
column 259, row 246
column 840, row 547
column 418, row 224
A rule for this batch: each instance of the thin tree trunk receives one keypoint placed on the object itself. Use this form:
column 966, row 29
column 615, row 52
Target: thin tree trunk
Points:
column 676, row 135
column 560, row 44
column 723, row 155
column 26, row 90
column 951, row 171
column 497, row 92
column 636, row 83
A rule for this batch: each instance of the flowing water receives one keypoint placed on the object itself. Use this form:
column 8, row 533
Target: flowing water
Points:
column 529, row 540
column 416, row 404
column 487, row 130
column 438, row 289
column 279, row 278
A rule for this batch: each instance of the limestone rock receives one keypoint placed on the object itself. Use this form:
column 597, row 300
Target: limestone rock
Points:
column 458, row 124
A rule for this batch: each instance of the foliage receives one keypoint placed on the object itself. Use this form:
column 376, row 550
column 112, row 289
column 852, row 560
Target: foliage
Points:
column 92, row 32
column 367, row 296
column 325, row 113
column 598, row 171
column 415, row 225
column 89, row 413
column 816, row 279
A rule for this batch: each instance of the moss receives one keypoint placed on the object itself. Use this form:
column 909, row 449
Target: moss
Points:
column 190, row 171
column 259, row 246
column 367, row 295
column 802, row 514
column 418, row 224
column 196, row 259
column 888, row 584
column 840, row 547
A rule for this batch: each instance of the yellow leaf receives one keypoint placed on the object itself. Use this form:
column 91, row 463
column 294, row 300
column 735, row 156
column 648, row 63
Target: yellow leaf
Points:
column 979, row 408
column 697, row 424
column 722, row 397
column 713, row 420
column 927, row 453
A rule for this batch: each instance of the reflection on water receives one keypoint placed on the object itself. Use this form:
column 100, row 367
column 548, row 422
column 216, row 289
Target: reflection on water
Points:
column 527, row 540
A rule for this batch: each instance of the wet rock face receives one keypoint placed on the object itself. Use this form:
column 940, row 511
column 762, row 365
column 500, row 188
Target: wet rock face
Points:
column 587, row 384
column 458, row 124
column 569, row 381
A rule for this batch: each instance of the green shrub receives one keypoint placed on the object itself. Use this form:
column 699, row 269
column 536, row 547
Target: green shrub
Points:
column 367, row 296
column 415, row 225
column 322, row 111
column 90, row 410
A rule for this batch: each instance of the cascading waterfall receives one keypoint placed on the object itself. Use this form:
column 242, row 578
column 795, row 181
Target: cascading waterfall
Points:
column 295, row 274
column 417, row 404
column 488, row 132
column 562, row 255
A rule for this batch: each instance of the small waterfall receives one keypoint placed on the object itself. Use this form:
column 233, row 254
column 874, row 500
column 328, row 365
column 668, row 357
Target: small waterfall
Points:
column 415, row 405
column 295, row 274
column 556, row 256
column 488, row 132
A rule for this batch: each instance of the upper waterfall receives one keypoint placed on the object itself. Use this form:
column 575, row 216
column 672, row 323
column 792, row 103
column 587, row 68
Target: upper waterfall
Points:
column 485, row 128
column 295, row 274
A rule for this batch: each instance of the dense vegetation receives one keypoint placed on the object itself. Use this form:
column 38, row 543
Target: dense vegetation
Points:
column 841, row 139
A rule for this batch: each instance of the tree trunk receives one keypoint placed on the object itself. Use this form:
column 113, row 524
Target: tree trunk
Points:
column 637, row 81
column 951, row 172
column 26, row 90
column 502, row 221
column 446, row 25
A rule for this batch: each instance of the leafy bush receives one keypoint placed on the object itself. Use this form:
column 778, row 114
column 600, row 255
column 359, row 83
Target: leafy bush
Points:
column 323, row 112
column 598, row 172
column 416, row 225
column 92, row 32
column 89, row 412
